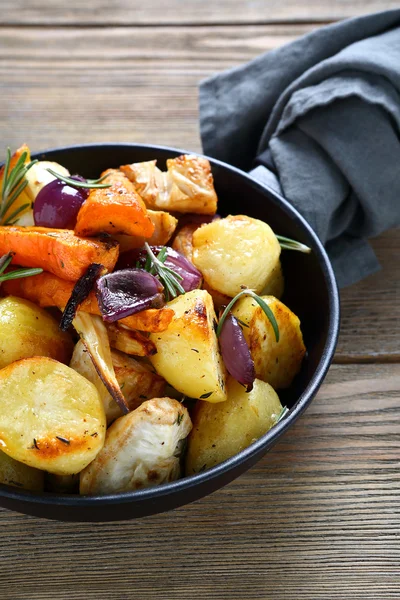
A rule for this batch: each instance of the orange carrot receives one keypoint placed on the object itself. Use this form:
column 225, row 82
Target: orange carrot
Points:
column 59, row 251
column 47, row 289
column 115, row 210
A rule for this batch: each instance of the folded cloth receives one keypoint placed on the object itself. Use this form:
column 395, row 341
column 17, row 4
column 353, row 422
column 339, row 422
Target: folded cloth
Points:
column 323, row 113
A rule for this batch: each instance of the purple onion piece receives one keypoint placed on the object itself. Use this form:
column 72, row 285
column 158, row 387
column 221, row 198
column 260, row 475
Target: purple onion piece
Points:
column 236, row 353
column 57, row 205
column 126, row 292
column 191, row 277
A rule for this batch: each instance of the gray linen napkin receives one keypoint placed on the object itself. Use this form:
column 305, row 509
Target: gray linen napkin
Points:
column 323, row 113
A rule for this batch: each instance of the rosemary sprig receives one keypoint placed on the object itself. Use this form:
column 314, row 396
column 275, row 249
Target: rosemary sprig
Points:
column 259, row 301
column 282, row 414
column 289, row 244
column 14, row 183
column 168, row 277
column 18, row 273
column 89, row 183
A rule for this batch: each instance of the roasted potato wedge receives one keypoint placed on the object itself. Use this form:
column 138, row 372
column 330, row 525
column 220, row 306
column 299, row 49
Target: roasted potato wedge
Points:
column 130, row 341
column 234, row 252
column 51, row 417
column 27, row 330
column 19, row 475
column 137, row 381
column 222, row 430
column 275, row 362
column 275, row 284
column 187, row 187
column 141, row 449
column 188, row 356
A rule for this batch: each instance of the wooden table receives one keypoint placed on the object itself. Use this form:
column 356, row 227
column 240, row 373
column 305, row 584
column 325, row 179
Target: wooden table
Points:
column 318, row 517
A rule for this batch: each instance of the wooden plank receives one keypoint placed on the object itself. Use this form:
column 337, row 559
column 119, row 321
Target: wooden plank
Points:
column 370, row 328
column 317, row 518
column 58, row 88
column 126, row 12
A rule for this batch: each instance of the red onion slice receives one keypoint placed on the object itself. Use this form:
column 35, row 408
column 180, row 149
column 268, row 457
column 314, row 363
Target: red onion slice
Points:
column 191, row 277
column 236, row 353
column 126, row 292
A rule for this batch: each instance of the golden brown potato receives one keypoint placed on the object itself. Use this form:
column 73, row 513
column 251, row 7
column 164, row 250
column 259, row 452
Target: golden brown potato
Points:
column 137, row 381
column 183, row 241
column 51, row 417
column 27, row 330
column 275, row 362
column 187, row 186
column 129, row 341
column 234, row 252
column 142, row 449
column 222, row 430
column 19, row 475
column 188, row 355
column 275, row 284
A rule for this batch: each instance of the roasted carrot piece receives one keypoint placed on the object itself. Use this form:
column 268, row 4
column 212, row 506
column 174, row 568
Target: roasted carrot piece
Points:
column 47, row 289
column 115, row 210
column 59, row 251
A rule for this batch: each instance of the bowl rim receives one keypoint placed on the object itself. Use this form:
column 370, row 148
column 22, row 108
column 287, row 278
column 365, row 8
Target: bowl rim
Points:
column 268, row 439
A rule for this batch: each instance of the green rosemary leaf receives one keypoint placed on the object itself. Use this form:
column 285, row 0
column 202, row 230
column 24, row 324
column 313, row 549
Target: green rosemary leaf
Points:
column 16, row 213
column 5, row 261
column 88, row 184
column 167, row 276
column 14, row 183
column 282, row 414
column 259, row 301
column 289, row 244
column 19, row 273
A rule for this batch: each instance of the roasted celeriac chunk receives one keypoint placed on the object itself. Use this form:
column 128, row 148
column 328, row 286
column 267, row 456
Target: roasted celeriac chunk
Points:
column 27, row 330
column 188, row 355
column 187, row 186
column 51, row 417
column 137, row 380
column 275, row 362
column 234, row 252
column 222, row 430
column 129, row 341
column 142, row 448
column 13, row 472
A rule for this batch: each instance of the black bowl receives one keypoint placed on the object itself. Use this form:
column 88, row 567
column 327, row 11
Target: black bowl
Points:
column 311, row 292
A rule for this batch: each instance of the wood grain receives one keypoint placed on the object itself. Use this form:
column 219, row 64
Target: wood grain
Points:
column 318, row 517
column 126, row 12
column 60, row 88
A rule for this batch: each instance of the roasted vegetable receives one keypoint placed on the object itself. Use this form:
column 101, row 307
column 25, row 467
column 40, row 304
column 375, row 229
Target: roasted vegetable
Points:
column 141, row 449
column 47, row 289
column 27, row 330
column 129, row 341
column 275, row 362
column 117, row 209
column 39, row 176
column 188, row 356
column 22, row 203
column 187, row 187
column 222, row 430
column 13, row 472
column 56, row 250
column 164, row 227
column 137, row 380
column 93, row 334
column 51, row 417
column 234, row 252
